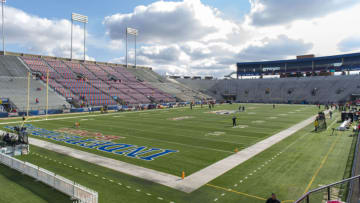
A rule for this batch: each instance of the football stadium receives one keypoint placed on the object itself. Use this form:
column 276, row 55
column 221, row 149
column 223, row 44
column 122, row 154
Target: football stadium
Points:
column 84, row 128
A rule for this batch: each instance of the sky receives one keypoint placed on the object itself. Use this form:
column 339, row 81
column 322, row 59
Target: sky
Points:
column 185, row 37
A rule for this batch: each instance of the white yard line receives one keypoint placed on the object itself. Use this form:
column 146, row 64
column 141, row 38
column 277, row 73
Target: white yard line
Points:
column 190, row 183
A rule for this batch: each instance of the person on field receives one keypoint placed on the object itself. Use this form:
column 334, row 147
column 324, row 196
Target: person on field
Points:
column 330, row 113
column 272, row 199
column 239, row 108
column 273, row 106
column 209, row 106
column 316, row 125
column 234, row 120
column 243, row 108
column 191, row 105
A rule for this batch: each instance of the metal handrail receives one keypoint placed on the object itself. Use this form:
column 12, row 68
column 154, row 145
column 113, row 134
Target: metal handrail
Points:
column 306, row 195
column 353, row 170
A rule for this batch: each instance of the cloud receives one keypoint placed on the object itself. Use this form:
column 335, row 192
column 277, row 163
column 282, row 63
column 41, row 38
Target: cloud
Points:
column 268, row 32
column 274, row 49
column 171, row 22
column 275, row 12
column 216, row 59
column 41, row 35
column 190, row 38
column 351, row 43
column 185, row 37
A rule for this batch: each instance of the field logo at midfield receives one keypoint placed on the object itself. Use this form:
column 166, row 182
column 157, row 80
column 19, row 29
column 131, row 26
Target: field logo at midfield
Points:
column 217, row 133
column 180, row 118
column 85, row 133
column 241, row 126
column 223, row 112
column 258, row 121
column 128, row 150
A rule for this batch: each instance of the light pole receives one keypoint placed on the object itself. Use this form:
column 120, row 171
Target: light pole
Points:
column 134, row 32
column 2, row 25
column 81, row 19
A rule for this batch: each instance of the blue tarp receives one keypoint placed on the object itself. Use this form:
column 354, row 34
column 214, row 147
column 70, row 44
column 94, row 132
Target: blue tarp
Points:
column 77, row 110
column 3, row 114
column 55, row 111
column 31, row 113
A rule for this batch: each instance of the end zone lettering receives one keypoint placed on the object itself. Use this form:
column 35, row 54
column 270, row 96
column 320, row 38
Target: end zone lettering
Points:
column 128, row 150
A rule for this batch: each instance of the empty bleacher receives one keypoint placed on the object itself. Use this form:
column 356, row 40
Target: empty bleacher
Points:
column 143, row 91
column 95, row 84
column 98, row 84
column 110, row 84
column 11, row 66
column 16, row 90
column 170, row 87
column 329, row 89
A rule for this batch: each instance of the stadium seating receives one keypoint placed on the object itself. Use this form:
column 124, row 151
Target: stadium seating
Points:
column 96, row 70
column 126, row 86
column 16, row 90
column 61, row 68
column 11, row 66
column 86, row 92
column 171, row 87
column 65, row 80
column 331, row 89
column 141, row 86
column 99, row 84
column 80, row 70
column 38, row 65
column 131, row 85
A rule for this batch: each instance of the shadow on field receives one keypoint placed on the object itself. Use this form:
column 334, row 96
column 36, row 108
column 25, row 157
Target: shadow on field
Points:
column 37, row 188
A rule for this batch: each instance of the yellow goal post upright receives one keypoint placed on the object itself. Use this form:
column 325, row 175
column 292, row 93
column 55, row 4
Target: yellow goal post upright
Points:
column 28, row 99
column 28, row 96
column 47, row 95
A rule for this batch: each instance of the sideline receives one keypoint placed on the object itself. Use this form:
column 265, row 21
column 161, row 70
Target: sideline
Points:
column 243, row 194
column 322, row 164
column 237, row 192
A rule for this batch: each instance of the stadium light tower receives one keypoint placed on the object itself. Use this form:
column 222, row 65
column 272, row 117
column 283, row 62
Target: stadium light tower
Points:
column 134, row 32
column 2, row 25
column 81, row 19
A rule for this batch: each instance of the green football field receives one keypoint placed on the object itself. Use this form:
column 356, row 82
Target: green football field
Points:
column 199, row 138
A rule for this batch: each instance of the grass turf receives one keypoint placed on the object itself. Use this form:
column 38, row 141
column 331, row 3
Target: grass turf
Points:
column 195, row 138
column 16, row 187
column 288, row 174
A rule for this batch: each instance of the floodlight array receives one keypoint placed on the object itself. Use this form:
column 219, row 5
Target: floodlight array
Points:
column 132, row 31
column 79, row 18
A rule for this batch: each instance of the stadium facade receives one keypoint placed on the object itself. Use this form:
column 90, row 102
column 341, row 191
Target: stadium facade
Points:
column 307, row 64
